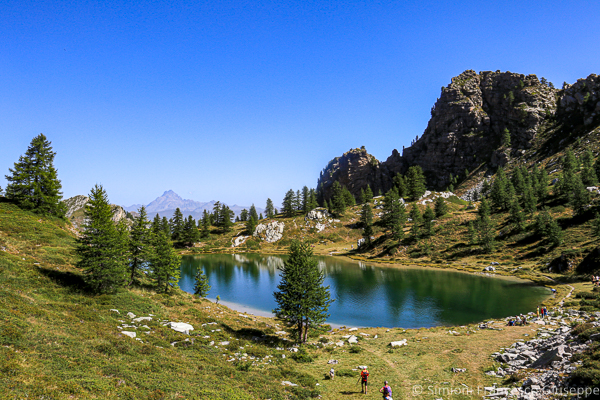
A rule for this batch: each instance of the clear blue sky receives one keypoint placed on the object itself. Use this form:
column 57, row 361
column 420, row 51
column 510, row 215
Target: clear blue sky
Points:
column 238, row 101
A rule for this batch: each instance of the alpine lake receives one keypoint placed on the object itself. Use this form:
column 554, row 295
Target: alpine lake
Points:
column 368, row 295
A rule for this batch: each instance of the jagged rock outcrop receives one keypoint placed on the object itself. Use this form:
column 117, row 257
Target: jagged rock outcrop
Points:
column 271, row 232
column 75, row 211
column 467, row 126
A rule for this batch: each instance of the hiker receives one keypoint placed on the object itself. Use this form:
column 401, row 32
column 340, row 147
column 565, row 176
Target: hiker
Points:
column 523, row 319
column 331, row 373
column 386, row 390
column 364, row 376
column 538, row 312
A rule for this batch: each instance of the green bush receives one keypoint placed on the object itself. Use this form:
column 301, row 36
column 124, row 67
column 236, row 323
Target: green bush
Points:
column 355, row 349
column 302, row 356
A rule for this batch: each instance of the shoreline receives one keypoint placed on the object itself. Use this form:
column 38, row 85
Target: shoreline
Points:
column 255, row 311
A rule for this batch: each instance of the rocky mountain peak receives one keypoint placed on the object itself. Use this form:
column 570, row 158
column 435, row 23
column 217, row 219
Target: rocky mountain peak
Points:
column 467, row 126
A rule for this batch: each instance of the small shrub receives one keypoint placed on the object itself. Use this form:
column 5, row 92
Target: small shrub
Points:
column 243, row 365
column 355, row 349
column 346, row 372
column 302, row 356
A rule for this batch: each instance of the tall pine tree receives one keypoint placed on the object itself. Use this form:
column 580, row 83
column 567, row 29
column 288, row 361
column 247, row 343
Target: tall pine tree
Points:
column 33, row 183
column 101, row 247
column 140, row 244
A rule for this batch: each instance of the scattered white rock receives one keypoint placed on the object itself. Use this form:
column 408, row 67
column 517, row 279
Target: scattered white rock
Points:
column 131, row 315
column 288, row 383
column 130, row 334
column 114, row 310
column 181, row 327
column 140, row 319
column 399, row 343
column 352, row 339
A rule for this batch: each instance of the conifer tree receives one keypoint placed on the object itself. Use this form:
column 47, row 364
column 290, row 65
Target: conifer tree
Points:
column 541, row 189
column 588, row 175
column 227, row 215
column 156, row 224
column 486, row 228
column 217, row 218
column 201, row 286
column 428, row 216
column 368, row 194
column 555, row 233
column 33, row 183
column 101, row 247
column 140, row 244
column 205, row 232
column 529, row 200
column 177, row 227
column 288, row 204
column 506, row 138
column 361, row 196
column 517, row 217
column 518, row 181
column 337, row 199
column 253, row 213
column 250, row 226
column 244, row 215
column 579, row 197
column 190, row 232
column 471, row 233
column 260, row 217
column 441, row 208
column 269, row 209
column 301, row 298
column 297, row 201
column 165, row 226
column 395, row 214
column 165, row 263
column 366, row 221
column 415, row 182
column 305, row 196
column 400, row 184
column 415, row 215
column 312, row 200
column 499, row 193
column 349, row 199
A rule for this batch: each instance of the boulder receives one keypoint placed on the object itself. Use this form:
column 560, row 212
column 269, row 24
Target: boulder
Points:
column 271, row 232
column 352, row 339
column 399, row 343
column 130, row 334
column 489, row 268
column 181, row 327
column 140, row 319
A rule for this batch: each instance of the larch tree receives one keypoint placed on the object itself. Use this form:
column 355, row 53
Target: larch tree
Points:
column 366, row 222
column 101, row 248
column 140, row 244
column 201, row 286
column 165, row 263
column 270, row 209
column 33, row 182
column 301, row 298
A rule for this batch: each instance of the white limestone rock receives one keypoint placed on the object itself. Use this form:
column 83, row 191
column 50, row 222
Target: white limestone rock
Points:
column 181, row 327
column 271, row 232
column 130, row 334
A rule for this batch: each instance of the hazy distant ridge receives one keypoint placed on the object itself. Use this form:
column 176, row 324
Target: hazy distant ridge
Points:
column 166, row 204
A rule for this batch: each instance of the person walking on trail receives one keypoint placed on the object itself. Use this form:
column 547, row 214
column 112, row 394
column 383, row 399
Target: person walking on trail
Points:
column 331, row 374
column 364, row 377
column 386, row 390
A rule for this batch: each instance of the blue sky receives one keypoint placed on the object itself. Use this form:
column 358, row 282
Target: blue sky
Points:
column 238, row 101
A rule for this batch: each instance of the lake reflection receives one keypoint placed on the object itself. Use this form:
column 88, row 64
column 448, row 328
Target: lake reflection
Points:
column 366, row 295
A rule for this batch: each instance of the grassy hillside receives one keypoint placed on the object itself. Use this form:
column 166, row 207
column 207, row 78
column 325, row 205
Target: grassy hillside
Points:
column 58, row 341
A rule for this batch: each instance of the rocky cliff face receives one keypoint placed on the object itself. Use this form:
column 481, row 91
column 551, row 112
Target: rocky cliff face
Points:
column 466, row 129
column 76, row 206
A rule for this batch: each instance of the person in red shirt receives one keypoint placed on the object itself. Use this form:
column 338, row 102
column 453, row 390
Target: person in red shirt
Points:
column 364, row 377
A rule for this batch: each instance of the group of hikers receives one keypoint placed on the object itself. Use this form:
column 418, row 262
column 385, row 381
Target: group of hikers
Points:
column 522, row 319
column 595, row 280
column 386, row 390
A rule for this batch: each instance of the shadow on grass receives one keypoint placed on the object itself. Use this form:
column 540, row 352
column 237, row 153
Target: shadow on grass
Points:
column 67, row 279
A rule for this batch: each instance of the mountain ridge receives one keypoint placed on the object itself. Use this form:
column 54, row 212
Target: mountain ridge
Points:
column 467, row 128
